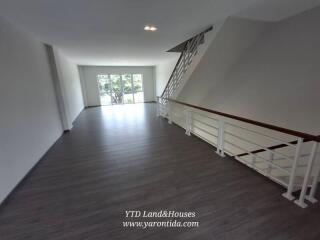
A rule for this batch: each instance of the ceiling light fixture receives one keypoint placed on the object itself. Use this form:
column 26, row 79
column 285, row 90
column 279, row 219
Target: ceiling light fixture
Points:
column 153, row 28
column 147, row 28
column 150, row 28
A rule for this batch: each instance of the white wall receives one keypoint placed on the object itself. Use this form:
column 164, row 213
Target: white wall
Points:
column 89, row 80
column 234, row 38
column 275, row 80
column 69, row 77
column 29, row 122
column 162, row 73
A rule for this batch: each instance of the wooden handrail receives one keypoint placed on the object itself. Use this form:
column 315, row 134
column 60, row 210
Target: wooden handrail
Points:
column 182, row 46
column 272, row 147
column 303, row 135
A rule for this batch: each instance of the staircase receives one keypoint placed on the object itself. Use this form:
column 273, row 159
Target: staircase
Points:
column 189, row 49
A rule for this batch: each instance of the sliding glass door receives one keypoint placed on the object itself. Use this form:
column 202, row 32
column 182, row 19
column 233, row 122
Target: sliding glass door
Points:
column 127, row 88
column 116, row 89
column 120, row 88
column 104, row 85
column 137, row 88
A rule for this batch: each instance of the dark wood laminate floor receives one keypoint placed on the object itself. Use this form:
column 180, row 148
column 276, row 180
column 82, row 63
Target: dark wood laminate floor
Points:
column 124, row 158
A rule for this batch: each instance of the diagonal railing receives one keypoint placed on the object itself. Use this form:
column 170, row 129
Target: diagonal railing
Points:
column 190, row 49
column 238, row 137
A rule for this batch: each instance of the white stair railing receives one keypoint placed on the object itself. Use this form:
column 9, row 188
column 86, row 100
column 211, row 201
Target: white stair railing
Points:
column 287, row 157
column 176, row 79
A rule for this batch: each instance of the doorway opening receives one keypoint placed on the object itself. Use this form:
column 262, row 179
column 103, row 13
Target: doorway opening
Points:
column 124, row 88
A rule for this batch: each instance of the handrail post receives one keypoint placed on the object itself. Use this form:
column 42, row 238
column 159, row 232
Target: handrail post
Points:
column 270, row 165
column 254, row 160
column 288, row 194
column 158, row 106
column 169, row 111
column 188, row 122
column 301, row 202
column 220, row 139
column 311, row 196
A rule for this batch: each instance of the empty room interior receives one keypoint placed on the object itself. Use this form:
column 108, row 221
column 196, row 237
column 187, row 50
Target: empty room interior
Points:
column 178, row 119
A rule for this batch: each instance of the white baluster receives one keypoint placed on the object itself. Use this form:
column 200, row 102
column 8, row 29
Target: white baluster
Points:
column 169, row 110
column 254, row 160
column 311, row 196
column 301, row 202
column 188, row 122
column 158, row 107
column 288, row 194
column 270, row 165
column 220, row 140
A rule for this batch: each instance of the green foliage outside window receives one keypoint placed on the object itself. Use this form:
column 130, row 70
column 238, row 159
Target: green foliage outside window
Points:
column 116, row 86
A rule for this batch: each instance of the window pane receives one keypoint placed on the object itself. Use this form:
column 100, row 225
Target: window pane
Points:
column 138, row 88
column 104, row 89
column 137, row 82
column 127, row 88
column 117, row 95
column 128, row 98
column 120, row 88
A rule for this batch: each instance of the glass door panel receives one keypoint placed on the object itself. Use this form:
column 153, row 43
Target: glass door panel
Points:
column 116, row 89
column 127, row 88
column 120, row 88
column 104, row 86
column 138, row 88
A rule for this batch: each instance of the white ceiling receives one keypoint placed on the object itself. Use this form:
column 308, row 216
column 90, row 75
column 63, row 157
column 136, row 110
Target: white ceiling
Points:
column 276, row 10
column 110, row 32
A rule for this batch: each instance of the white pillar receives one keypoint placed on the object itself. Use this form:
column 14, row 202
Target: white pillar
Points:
column 220, row 140
column 301, row 202
column 288, row 194
column 188, row 122
column 270, row 166
column 314, row 185
column 254, row 160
